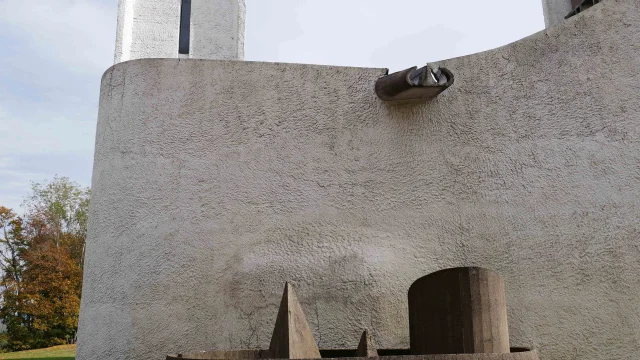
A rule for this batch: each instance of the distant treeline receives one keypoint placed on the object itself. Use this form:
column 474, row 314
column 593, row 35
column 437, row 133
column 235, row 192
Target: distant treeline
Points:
column 41, row 257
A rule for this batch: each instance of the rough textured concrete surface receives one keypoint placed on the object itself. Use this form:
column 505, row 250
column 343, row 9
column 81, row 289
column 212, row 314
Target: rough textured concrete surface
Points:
column 555, row 11
column 151, row 29
column 218, row 29
column 217, row 181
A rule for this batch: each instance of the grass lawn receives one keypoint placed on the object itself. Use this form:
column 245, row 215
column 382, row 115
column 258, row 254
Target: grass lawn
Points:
column 64, row 352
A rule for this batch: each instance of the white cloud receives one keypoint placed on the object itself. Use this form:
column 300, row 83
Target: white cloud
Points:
column 55, row 134
column 52, row 55
column 33, row 151
column 381, row 33
column 77, row 33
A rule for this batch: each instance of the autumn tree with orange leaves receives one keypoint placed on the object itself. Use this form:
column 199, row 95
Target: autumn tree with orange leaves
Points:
column 41, row 256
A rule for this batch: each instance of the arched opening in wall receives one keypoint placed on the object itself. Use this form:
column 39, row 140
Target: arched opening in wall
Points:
column 382, row 33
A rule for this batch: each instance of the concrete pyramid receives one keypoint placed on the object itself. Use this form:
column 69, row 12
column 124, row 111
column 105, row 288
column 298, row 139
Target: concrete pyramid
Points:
column 292, row 337
column 367, row 347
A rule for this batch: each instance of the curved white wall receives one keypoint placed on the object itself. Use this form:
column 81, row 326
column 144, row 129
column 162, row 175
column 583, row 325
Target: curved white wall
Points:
column 215, row 182
column 151, row 29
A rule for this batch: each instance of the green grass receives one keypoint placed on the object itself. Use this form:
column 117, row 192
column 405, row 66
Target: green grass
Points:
column 64, row 352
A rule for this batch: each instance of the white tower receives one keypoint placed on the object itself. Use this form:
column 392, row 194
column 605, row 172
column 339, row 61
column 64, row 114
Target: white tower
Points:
column 555, row 11
column 199, row 29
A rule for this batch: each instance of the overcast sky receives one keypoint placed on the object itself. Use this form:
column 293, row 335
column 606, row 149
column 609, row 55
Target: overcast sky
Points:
column 53, row 54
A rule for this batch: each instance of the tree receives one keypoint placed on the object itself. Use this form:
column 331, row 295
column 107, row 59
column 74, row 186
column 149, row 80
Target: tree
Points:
column 57, row 213
column 52, row 282
column 41, row 256
column 41, row 308
column 13, row 247
column 13, row 244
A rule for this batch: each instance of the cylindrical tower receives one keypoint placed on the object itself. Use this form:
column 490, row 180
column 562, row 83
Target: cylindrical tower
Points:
column 201, row 29
column 555, row 11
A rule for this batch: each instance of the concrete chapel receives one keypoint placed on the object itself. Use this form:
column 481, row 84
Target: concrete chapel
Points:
column 217, row 180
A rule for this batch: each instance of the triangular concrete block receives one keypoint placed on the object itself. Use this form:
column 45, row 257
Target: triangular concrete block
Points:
column 367, row 347
column 292, row 337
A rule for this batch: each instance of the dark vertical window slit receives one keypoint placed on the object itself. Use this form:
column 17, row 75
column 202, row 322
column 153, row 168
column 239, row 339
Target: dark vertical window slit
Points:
column 185, row 27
